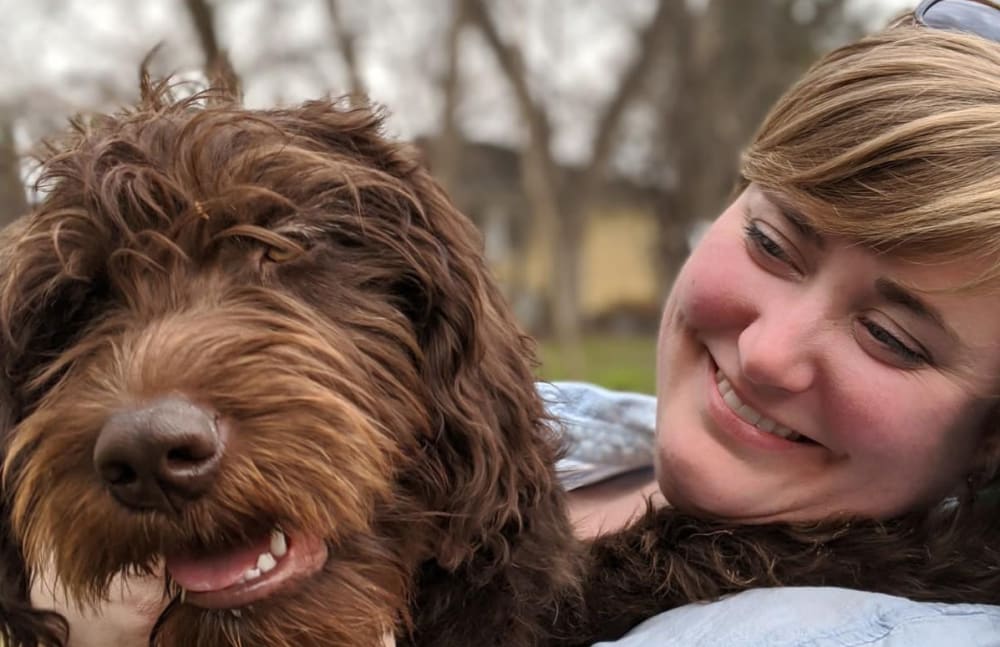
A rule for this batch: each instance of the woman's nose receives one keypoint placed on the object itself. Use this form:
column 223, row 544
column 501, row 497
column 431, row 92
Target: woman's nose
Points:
column 779, row 350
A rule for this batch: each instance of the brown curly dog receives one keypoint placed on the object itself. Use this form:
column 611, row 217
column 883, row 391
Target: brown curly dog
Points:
column 263, row 346
column 262, row 350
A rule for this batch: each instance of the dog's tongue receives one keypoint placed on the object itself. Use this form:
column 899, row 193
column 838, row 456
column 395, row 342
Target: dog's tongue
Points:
column 213, row 572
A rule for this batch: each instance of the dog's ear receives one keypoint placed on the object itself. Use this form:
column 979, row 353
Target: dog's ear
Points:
column 20, row 625
column 493, row 442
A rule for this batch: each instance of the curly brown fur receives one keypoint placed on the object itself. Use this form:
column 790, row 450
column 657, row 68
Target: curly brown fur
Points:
column 668, row 558
column 305, row 278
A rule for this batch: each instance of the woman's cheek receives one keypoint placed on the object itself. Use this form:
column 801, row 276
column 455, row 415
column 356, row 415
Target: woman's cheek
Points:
column 713, row 289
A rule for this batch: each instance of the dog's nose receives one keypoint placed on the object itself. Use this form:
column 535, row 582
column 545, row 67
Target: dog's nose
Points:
column 160, row 455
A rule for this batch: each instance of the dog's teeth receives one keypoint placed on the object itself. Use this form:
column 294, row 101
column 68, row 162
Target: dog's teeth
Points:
column 183, row 594
column 278, row 544
column 236, row 613
column 266, row 562
column 251, row 574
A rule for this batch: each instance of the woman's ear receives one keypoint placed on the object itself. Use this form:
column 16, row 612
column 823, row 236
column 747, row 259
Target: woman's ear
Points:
column 983, row 471
column 984, row 476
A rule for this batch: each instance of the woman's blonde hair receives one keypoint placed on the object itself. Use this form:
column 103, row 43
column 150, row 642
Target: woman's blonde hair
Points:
column 893, row 142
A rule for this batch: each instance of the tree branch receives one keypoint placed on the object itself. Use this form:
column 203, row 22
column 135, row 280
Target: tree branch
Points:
column 13, row 202
column 218, row 67
column 651, row 43
column 345, row 43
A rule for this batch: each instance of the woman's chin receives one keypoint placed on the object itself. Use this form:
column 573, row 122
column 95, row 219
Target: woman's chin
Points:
column 714, row 489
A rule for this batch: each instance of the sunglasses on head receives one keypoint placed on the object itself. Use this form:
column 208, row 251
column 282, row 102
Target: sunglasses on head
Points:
column 968, row 16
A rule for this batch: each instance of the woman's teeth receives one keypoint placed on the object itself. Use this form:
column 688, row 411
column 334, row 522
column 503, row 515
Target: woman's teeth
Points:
column 748, row 413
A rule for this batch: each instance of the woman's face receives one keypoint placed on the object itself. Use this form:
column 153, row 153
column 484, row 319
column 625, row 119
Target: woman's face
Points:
column 801, row 377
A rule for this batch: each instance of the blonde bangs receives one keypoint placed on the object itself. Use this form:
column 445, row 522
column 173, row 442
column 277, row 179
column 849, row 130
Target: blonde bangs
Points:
column 894, row 142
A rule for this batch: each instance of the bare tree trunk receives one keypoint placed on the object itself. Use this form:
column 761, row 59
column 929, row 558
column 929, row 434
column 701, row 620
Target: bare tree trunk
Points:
column 579, row 197
column 727, row 68
column 564, row 209
column 540, row 177
column 218, row 66
column 203, row 19
column 345, row 43
column 13, row 202
column 447, row 149
column 652, row 40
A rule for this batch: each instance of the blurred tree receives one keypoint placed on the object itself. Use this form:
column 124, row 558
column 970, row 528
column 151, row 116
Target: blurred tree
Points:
column 12, row 198
column 728, row 62
column 217, row 65
column 203, row 18
column 558, row 208
column 345, row 39
column 569, row 76
column 447, row 148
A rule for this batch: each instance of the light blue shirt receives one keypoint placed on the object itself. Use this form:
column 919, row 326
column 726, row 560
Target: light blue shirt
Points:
column 818, row 617
column 609, row 433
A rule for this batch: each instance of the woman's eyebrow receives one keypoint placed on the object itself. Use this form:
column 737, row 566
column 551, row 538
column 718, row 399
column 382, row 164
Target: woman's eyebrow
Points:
column 895, row 293
column 795, row 219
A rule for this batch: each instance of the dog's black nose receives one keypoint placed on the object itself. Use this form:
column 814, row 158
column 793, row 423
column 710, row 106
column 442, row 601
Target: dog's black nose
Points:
column 158, row 456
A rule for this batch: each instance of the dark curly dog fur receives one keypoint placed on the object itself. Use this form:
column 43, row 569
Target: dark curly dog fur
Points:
column 297, row 296
column 221, row 322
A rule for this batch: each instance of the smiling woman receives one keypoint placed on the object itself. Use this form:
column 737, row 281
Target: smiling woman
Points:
column 828, row 352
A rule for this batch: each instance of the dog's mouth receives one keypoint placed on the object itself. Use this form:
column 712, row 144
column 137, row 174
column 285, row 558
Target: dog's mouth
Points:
column 240, row 575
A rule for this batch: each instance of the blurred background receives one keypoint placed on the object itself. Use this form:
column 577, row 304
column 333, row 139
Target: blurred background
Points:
column 590, row 140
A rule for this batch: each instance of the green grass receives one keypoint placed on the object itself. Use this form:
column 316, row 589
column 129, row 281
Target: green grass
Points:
column 616, row 362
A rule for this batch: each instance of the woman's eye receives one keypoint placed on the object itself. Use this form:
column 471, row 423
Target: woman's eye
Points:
column 763, row 243
column 909, row 356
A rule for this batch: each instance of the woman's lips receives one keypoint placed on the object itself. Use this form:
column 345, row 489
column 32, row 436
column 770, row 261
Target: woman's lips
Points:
column 732, row 416
column 750, row 415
